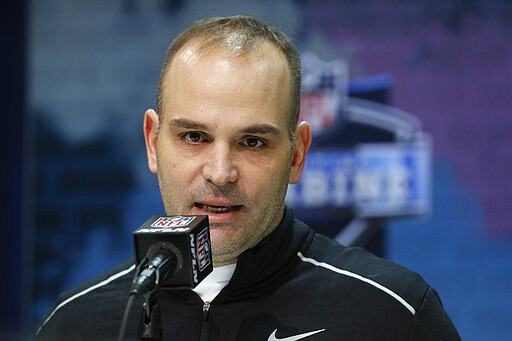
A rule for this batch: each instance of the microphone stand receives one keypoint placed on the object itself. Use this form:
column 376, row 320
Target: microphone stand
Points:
column 149, row 328
column 151, row 321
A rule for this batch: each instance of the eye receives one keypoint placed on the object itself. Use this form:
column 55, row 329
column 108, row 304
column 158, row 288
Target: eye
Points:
column 194, row 137
column 253, row 142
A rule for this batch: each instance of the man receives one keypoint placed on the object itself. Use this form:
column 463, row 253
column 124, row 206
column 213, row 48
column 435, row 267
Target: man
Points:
column 225, row 142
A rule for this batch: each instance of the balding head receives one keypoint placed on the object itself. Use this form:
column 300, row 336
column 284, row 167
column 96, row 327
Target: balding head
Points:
column 236, row 36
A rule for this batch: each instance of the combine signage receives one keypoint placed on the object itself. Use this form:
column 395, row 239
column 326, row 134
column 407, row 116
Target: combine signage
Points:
column 377, row 180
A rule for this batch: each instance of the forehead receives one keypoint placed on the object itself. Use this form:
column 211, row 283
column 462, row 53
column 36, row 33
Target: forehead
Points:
column 218, row 77
column 234, row 48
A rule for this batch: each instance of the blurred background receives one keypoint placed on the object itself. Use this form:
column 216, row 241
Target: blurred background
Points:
column 410, row 104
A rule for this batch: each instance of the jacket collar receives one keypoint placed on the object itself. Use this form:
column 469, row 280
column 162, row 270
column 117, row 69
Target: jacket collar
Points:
column 264, row 266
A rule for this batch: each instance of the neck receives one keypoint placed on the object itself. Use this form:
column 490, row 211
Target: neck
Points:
column 221, row 262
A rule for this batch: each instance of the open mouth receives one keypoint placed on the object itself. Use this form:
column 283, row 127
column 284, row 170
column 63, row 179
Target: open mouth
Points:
column 217, row 209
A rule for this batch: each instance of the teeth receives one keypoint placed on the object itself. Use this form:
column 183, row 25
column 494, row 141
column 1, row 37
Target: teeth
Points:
column 216, row 209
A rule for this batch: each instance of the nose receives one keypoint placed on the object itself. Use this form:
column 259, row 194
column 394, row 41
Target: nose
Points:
column 219, row 168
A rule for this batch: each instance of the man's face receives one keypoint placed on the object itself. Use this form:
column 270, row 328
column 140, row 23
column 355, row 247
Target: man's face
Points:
column 223, row 147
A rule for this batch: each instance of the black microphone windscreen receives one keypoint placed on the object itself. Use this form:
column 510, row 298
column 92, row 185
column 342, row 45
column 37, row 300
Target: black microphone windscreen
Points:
column 188, row 237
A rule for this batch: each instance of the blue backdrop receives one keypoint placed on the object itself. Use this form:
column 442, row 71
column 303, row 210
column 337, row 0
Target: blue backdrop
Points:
column 93, row 70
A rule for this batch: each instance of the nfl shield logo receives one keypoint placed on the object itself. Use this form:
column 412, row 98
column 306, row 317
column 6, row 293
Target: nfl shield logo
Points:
column 324, row 92
column 203, row 247
column 172, row 222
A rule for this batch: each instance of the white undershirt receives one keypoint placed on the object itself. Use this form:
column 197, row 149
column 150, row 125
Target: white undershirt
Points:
column 210, row 287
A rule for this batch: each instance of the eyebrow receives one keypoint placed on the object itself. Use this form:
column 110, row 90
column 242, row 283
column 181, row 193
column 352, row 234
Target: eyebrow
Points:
column 257, row 129
column 262, row 129
column 184, row 123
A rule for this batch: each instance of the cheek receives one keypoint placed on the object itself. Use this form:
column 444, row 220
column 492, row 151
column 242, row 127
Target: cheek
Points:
column 167, row 173
column 170, row 162
column 178, row 177
column 172, row 175
column 268, row 178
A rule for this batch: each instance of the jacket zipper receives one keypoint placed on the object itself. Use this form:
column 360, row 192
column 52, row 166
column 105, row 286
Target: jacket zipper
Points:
column 206, row 311
column 205, row 323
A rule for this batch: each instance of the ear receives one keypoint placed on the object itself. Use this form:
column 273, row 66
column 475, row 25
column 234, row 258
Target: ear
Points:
column 302, row 143
column 151, row 121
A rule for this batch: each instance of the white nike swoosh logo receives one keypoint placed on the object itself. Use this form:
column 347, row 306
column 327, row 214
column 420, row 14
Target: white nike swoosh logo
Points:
column 273, row 337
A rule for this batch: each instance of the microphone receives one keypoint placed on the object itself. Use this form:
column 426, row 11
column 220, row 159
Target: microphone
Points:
column 172, row 252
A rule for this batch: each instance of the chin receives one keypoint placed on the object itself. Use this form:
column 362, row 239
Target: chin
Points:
column 225, row 245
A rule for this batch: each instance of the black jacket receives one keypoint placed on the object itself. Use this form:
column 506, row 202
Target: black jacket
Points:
column 294, row 285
